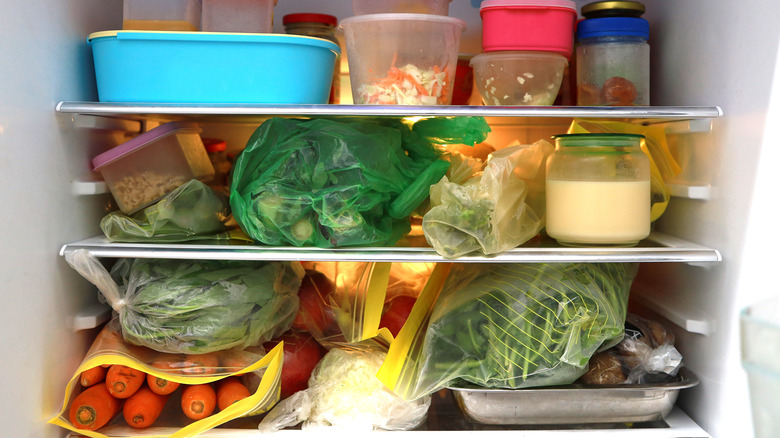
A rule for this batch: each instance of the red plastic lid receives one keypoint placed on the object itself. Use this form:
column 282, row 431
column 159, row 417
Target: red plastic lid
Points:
column 214, row 145
column 568, row 4
column 310, row 18
column 142, row 141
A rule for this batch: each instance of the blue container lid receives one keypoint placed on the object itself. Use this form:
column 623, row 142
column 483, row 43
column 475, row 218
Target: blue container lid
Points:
column 613, row 26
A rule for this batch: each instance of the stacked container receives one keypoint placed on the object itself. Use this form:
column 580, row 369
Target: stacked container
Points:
column 399, row 56
column 526, row 45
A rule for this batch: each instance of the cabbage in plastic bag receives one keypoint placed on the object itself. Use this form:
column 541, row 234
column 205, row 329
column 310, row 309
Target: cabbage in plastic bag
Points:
column 496, row 209
column 344, row 392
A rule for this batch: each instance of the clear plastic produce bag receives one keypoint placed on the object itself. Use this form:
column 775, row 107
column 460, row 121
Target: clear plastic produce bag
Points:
column 494, row 210
column 509, row 326
column 90, row 408
column 193, row 306
column 346, row 182
column 345, row 393
column 193, row 211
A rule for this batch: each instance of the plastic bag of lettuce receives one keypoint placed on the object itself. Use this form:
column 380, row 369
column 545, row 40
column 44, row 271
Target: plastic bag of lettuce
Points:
column 196, row 306
column 344, row 182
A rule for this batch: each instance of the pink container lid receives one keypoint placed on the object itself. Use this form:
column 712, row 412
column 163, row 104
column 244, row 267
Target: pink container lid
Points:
column 142, row 141
column 528, row 3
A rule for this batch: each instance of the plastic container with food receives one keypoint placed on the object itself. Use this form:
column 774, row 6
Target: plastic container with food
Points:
column 212, row 67
column 518, row 78
column 365, row 7
column 146, row 168
column 168, row 15
column 529, row 25
column 402, row 59
column 760, row 344
column 613, row 61
column 238, row 15
column 598, row 190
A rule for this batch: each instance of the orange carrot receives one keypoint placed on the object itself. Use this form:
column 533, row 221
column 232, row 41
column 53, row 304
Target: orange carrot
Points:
column 142, row 408
column 198, row 401
column 229, row 391
column 158, row 385
column 92, row 376
column 93, row 408
column 123, row 381
column 207, row 363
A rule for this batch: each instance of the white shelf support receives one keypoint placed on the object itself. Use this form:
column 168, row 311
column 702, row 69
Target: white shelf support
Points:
column 676, row 311
column 91, row 317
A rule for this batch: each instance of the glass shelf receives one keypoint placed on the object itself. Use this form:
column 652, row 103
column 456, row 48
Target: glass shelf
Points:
column 657, row 248
column 136, row 110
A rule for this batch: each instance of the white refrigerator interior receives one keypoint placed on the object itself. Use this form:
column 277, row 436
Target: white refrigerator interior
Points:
column 703, row 53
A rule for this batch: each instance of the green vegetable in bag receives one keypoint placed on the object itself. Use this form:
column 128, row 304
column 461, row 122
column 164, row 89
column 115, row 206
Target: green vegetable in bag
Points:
column 519, row 325
column 190, row 306
column 193, row 211
column 346, row 182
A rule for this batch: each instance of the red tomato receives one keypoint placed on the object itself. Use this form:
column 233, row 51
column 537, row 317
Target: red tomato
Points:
column 314, row 314
column 619, row 91
column 301, row 354
column 398, row 310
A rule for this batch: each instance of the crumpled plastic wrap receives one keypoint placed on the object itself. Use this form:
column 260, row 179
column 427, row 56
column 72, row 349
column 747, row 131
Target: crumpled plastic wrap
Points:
column 344, row 392
column 494, row 210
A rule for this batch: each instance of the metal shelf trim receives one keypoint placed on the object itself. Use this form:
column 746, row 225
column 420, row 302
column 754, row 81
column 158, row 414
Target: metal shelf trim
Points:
column 650, row 112
column 670, row 249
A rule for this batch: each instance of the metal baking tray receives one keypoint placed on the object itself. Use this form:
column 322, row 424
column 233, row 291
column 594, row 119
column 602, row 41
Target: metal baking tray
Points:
column 572, row 404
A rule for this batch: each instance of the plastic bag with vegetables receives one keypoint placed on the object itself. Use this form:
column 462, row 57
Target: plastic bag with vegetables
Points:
column 330, row 183
column 191, row 306
column 344, row 392
column 494, row 210
column 193, row 211
column 121, row 389
column 509, row 326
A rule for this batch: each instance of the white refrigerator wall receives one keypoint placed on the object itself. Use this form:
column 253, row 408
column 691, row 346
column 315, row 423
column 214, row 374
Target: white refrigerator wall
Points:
column 43, row 59
column 722, row 53
column 704, row 53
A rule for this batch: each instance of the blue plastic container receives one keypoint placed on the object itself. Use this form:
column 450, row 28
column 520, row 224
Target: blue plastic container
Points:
column 204, row 67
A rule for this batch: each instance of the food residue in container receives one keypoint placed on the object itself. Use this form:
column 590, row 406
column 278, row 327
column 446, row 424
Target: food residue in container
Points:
column 408, row 85
column 135, row 191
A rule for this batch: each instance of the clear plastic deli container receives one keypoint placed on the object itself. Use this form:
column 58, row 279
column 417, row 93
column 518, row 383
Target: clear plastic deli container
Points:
column 175, row 15
column 254, row 16
column 518, row 78
column 437, row 7
column 146, row 168
column 402, row 59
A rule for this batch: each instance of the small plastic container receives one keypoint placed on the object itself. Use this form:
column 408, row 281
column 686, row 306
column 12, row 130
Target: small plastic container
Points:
column 528, row 25
column 518, row 78
column 254, row 16
column 166, row 15
column 320, row 26
column 760, row 344
column 143, row 170
column 613, row 62
column 598, row 190
column 402, row 59
column 436, row 7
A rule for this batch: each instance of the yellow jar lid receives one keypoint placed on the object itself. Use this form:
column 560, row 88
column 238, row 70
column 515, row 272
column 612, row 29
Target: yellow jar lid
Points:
column 613, row 9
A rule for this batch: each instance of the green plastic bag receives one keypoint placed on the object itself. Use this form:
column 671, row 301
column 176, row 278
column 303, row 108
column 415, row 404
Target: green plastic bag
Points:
column 193, row 211
column 345, row 182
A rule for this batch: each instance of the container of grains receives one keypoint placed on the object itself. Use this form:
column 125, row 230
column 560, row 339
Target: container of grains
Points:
column 143, row 170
